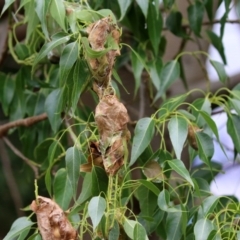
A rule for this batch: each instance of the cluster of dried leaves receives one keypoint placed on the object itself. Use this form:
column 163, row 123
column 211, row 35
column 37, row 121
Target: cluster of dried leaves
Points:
column 111, row 115
column 52, row 221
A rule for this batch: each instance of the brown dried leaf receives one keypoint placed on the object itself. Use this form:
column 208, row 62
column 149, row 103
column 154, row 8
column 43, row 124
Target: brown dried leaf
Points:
column 111, row 117
column 52, row 221
column 153, row 171
column 191, row 136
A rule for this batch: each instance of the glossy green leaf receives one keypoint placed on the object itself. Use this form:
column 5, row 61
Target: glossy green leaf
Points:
column 62, row 189
column 154, row 25
column 58, row 39
column 235, row 105
column 202, row 229
column 124, row 5
column 217, row 43
column 96, row 208
column 139, row 232
column 68, row 58
column 53, row 108
column 143, row 135
column 219, row 67
column 73, row 160
column 195, row 17
column 81, row 78
column 208, row 206
column 150, row 186
column 170, row 73
column 99, row 181
column 143, row 4
column 138, row 67
column 35, row 236
column 178, row 130
column 19, row 226
column 58, row 12
column 179, row 167
column 42, row 7
column 7, row 4
column 128, row 227
column 86, row 191
column 114, row 233
column 233, row 129
column 205, row 147
column 164, row 202
column 174, row 225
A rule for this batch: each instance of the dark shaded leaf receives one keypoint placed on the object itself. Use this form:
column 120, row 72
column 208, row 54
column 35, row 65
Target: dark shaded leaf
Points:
column 195, row 17
column 233, row 129
column 86, row 191
column 217, row 43
column 154, row 25
column 99, row 180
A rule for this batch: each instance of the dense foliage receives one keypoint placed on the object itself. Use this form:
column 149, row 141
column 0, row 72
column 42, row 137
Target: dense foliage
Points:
column 110, row 184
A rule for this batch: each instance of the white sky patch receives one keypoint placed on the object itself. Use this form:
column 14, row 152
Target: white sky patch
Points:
column 231, row 42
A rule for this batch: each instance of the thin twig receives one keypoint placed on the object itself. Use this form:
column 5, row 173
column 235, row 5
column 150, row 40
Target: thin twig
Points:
column 26, row 122
column 12, row 185
column 30, row 163
column 207, row 23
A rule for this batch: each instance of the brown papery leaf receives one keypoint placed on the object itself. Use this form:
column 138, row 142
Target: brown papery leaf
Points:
column 191, row 136
column 153, row 171
column 52, row 221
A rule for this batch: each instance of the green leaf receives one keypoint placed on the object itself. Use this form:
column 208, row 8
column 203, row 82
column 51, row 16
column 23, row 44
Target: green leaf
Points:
column 208, row 206
column 58, row 39
column 202, row 229
column 86, row 191
column 81, row 79
column 124, row 5
column 209, row 9
column 153, row 171
column 8, row 93
column 174, row 225
column 174, row 24
column 235, row 105
column 154, row 25
column 219, row 67
column 143, row 4
column 62, row 189
column 73, row 161
column 68, row 58
column 179, row 167
column 170, row 73
column 155, row 67
column 217, row 43
column 114, row 232
column 128, row 227
column 19, row 226
column 53, row 108
column 139, row 232
column 6, row 5
column 233, row 129
column 150, row 186
column 58, row 12
column 195, row 17
column 143, row 135
column 96, row 208
column 164, row 202
column 99, row 181
column 41, row 9
column 205, row 147
column 137, row 67
column 178, row 130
